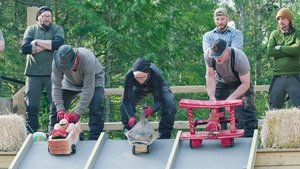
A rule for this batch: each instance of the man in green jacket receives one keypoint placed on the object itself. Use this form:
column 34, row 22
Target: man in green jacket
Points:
column 39, row 43
column 284, row 48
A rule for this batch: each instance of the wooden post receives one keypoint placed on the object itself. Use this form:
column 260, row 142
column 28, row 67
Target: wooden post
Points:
column 31, row 14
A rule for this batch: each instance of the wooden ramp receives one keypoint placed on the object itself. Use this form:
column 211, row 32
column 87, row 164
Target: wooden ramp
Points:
column 117, row 154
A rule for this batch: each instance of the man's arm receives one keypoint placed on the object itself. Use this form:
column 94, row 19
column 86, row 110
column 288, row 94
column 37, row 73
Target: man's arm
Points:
column 237, row 40
column 271, row 50
column 210, row 83
column 87, row 89
column 206, row 42
column 53, row 44
column 56, row 92
column 245, row 84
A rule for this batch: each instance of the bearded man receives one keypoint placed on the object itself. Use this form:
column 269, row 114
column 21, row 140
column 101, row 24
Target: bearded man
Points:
column 233, row 37
column 284, row 50
column 39, row 43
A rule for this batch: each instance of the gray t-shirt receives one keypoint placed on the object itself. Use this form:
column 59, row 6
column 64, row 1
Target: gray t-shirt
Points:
column 241, row 66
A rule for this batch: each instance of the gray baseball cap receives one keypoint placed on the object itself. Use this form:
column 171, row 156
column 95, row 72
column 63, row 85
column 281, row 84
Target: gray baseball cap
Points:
column 218, row 48
column 65, row 57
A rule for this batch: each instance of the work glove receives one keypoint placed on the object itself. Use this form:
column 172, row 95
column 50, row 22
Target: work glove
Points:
column 61, row 115
column 72, row 117
column 132, row 121
column 148, row 111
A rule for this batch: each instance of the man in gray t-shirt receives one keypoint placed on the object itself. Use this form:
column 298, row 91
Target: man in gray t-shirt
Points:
column 228, row 78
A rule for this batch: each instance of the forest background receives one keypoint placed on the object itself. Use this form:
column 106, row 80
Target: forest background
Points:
column 167, row 32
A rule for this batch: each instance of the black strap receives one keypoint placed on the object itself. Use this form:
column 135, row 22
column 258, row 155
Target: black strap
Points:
column 12, row 80
column 232, row 53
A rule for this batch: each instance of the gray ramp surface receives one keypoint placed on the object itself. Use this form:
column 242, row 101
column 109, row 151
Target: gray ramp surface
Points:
column 211, row 155
column 39, row 158
column 117, row 154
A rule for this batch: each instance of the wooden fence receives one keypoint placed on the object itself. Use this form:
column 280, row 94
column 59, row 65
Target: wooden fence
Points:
column 19, row 107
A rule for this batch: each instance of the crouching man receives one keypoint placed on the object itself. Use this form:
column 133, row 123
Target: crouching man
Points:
column 77, row 71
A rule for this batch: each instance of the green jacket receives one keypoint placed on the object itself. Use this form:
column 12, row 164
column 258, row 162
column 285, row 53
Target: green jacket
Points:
column 287, row 58
column 39, row 64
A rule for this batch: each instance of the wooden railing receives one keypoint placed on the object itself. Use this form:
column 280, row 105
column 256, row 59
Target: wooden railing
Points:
column 19, row 107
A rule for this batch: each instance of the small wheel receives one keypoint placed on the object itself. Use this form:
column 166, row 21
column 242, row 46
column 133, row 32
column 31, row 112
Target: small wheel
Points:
column 195, row 143
column 81, row 136
column 73, row 147
column 231, row 142
column 49, row 150
column 148, row 149
column 133, row 150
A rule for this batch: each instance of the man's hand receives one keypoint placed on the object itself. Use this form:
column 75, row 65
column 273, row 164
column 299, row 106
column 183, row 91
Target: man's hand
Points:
column 61, row 115
column 148, row 111
column 57, row 133
column 131, row 122
column 73, row 117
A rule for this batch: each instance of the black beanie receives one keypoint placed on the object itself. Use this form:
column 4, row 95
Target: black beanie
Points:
column 41, row 10
column 141, row 65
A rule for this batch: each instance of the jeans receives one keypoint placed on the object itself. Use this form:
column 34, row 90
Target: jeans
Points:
column 96, row 111
column 282, row 85
column 246, row 114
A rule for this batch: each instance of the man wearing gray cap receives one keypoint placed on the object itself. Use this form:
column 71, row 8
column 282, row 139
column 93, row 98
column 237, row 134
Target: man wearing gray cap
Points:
column 228, row 78
column 39, row 43
column 77, row 71
column 233, row 37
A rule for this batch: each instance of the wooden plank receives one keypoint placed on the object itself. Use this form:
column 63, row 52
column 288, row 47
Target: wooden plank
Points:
column 31, row 13
column 6, row 158
column 182, row 89
column 252, row 154
column 278, row 167
column 5, row 105
column 96, row 151
column 261, row 88
column 111, row 126
column 22, row 152
column 277, row 158
column 174, row 151
column 18, row 104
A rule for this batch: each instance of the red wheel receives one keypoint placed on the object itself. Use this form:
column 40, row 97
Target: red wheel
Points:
column 195, row 143
column 227, row 142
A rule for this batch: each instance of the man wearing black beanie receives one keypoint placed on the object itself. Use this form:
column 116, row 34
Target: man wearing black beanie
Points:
column 144, row 79
column 39, row 43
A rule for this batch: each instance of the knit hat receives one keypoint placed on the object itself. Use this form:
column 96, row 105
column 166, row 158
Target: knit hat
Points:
column 41, row 10
column 141, row 65
column 285, row 12
column 220, row 12
column 218, row 48
column 64, row 58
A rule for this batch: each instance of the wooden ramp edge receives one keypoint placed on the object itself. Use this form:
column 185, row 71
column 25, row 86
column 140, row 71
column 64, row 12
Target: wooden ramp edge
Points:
column 174, row 151
column 22, row 152
column 253, row 149
column 96, row 151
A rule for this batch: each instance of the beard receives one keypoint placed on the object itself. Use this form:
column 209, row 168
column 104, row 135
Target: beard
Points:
column 222, row 28
column 45, row 27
